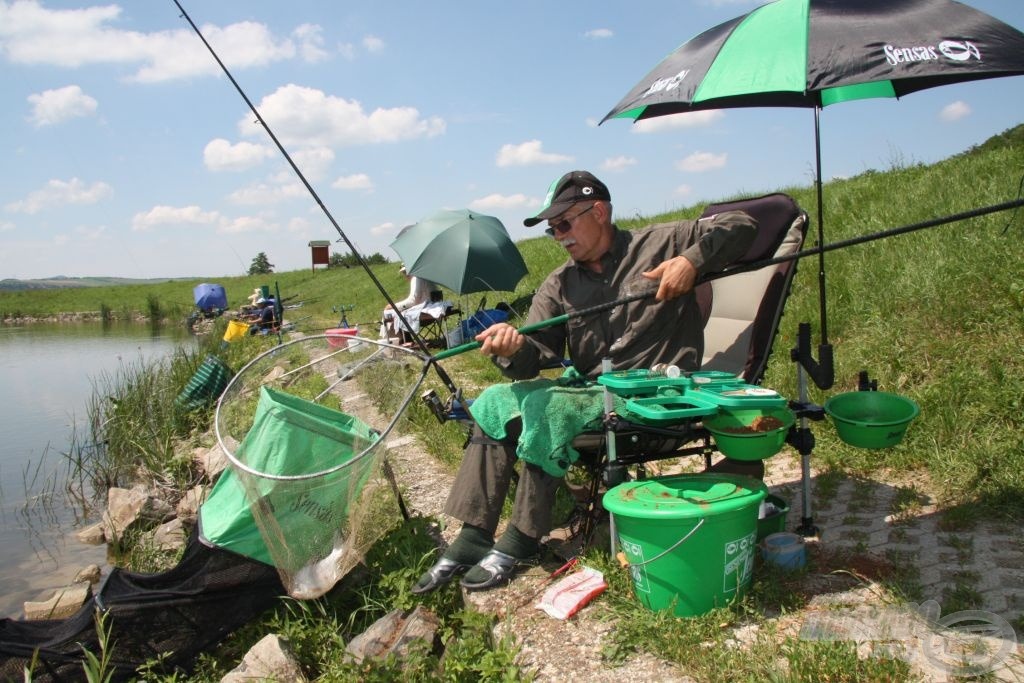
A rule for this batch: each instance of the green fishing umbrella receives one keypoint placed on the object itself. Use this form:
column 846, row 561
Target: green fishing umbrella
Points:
column 814, row 53
column 464, row 251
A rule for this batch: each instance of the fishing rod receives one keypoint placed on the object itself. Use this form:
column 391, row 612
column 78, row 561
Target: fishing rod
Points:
column 745, row 268
column 316, row 197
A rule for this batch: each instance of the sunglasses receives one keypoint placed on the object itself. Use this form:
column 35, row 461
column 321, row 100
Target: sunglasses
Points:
column 564, row 225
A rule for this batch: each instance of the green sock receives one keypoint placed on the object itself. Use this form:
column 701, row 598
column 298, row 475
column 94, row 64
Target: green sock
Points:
column 517, row 544
column 470, row 545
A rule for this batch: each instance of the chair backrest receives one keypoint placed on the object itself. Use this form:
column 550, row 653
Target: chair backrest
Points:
column 742, row 311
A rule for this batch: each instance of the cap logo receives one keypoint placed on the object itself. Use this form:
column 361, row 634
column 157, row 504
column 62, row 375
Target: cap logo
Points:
column 587, row 191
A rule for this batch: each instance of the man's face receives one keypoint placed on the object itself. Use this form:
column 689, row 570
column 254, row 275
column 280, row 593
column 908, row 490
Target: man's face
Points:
column 579, row 231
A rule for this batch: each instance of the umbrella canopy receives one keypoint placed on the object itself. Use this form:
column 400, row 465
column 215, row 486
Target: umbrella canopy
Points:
column 464, row 251
column 813, row 53
column 208, row 296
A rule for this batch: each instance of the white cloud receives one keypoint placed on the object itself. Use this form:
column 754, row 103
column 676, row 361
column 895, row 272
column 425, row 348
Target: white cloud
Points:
column 347, row 50
column 60, row 192
column 500, row 202
column 221, row 155
column 297, row 226
column 245, row 224
column 955, row 111
column 302, row 116
column 33, row 34
column 313, row 162
column 702, row 161
column 618, row 163
column 6, row 225
column 386, row 228
column 56, row 106
column 599, row 33
column 356, row 181
column 373, row 44
column 528, row 154
column 266, row 194
column 311, row 43
column 693, row 119
column 683, row 190
column 171, row 215
column 91, row 233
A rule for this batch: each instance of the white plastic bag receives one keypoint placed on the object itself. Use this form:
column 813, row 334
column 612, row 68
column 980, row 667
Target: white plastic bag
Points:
column 569, row 595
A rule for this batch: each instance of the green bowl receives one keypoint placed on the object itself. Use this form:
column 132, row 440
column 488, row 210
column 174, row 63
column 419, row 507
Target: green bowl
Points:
column 871, row 419
column 731, row 429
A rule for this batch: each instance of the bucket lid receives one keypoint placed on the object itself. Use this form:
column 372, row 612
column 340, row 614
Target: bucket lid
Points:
column 687, row 495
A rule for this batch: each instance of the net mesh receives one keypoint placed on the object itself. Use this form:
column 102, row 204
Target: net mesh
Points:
column 304, row 426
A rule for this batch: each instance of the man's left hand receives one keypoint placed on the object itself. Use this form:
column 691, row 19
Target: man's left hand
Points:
column 676, row 277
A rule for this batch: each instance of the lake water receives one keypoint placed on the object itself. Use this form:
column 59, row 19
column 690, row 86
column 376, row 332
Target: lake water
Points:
column 47, row 376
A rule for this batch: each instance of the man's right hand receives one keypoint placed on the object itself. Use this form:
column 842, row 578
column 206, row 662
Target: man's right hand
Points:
column 500, row 339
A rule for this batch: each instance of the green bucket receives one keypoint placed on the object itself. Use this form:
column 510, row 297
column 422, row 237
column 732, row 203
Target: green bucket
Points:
column 689, row 539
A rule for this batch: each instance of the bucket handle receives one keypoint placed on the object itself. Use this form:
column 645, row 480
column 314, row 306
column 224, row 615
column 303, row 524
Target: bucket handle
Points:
column 674, row 546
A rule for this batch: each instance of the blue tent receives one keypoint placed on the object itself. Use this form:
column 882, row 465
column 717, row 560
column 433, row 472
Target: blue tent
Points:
column 209, row 297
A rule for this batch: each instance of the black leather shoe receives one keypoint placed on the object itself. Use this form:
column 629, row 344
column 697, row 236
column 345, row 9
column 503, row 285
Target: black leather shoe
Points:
column 443, row 571
column 493, row 570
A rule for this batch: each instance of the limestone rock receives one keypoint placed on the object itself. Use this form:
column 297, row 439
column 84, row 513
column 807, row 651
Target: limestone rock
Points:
column 126, row 507
column 170, row 535
column 188, row 506
column 63, row 603
column 92, row 535
column 268, row 660
column 212, row 460
column 394, row 633
column 89, row 574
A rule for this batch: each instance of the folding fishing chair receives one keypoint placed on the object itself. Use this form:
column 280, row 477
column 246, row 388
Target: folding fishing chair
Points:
column 742, row 313
column 433, row 318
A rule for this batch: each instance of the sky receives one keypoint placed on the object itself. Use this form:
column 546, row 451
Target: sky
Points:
column 128, row 153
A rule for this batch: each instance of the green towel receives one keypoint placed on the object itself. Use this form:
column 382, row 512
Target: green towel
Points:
column 554, row 412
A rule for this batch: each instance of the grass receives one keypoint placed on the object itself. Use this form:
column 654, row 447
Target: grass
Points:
column 936, row 315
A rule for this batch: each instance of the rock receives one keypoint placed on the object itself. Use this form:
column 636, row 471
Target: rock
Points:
column 394, row 633
column 170, row 535
column 92, row 535
column 63, row 603
column 188, row 506
column 275, row 373
column 90, row 574
column 212, row 460
column 126, row 507
column 268, row 660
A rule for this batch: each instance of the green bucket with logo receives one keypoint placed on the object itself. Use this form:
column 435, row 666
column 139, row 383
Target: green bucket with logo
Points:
column 689, row 539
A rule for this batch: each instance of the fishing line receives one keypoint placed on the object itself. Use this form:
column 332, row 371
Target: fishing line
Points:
column 316, row 197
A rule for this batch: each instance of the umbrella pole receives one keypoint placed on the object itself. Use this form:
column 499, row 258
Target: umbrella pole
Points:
column 821, row 228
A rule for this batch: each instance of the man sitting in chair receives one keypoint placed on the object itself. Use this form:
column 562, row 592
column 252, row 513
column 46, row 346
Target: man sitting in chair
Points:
column 605, row 264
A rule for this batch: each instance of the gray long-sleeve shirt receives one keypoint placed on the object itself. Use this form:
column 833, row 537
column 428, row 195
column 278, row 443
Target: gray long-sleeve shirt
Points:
column 642, row 333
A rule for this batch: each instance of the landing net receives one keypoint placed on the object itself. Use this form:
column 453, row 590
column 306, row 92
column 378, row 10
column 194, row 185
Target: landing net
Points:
column 304, row 428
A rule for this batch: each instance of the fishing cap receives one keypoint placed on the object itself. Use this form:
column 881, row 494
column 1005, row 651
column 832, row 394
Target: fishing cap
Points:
column 574, row 186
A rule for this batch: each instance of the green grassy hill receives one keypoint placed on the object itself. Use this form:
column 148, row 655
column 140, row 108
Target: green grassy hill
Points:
column 937, row 315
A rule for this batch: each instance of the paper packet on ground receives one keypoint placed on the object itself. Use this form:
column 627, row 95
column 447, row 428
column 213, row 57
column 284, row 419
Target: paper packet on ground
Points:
column 566, row 597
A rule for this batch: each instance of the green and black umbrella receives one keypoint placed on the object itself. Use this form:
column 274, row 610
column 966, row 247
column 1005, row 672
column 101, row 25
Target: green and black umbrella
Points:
column 813, row 53
column 464, row 251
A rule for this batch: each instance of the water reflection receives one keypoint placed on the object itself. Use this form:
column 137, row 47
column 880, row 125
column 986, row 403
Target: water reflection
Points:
column 47, row 374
